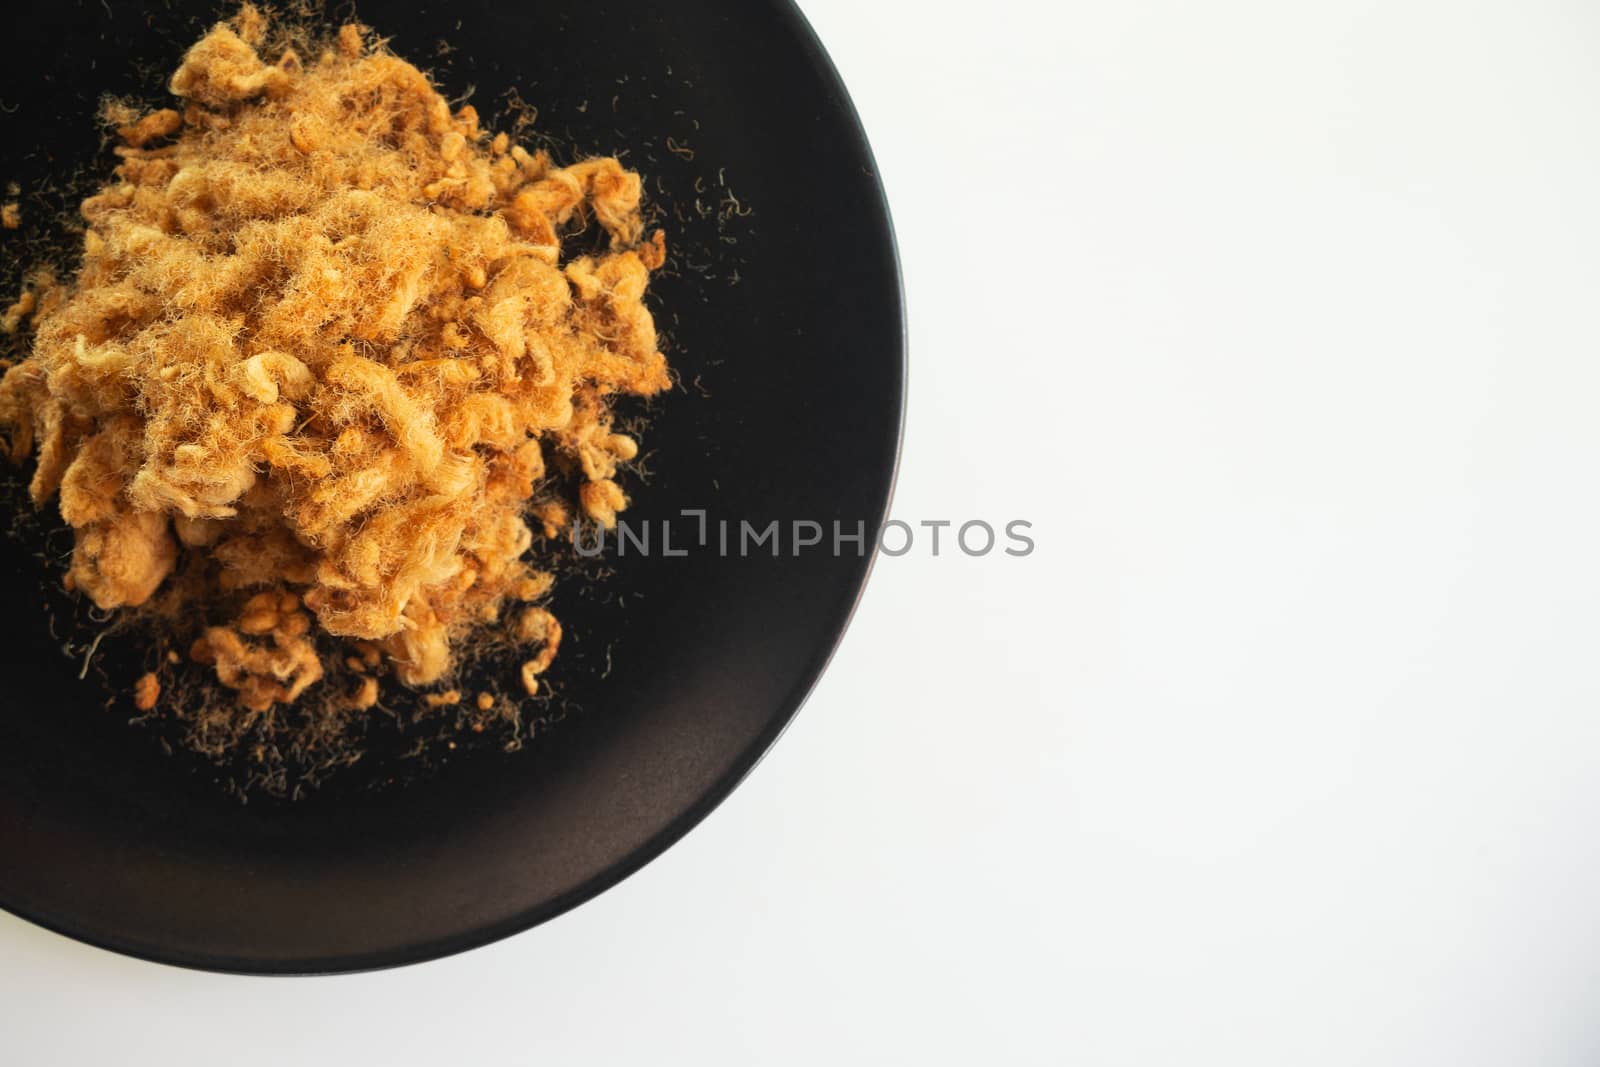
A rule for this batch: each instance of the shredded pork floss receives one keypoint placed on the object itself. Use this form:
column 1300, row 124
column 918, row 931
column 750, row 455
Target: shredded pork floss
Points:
column 325, row 360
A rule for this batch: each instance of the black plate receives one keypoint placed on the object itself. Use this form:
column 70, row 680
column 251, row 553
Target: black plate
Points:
column 791, row 410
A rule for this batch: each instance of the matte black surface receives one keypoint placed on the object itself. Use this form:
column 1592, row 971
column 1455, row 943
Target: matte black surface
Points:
column 790, row 409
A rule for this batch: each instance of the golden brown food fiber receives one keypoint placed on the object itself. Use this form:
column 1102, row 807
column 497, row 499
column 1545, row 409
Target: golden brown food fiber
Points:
column 321, row 346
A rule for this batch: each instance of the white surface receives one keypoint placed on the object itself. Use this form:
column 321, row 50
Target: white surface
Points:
column 1278, row 321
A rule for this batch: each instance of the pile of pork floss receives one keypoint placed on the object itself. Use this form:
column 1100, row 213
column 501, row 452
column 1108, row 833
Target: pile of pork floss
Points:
column 323, row 363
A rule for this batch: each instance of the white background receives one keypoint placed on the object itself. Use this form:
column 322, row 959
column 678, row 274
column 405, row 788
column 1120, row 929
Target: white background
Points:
column 1278, row 320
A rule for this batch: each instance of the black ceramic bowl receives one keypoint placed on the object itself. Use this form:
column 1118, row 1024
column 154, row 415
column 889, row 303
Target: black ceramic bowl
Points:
column 785, row 326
